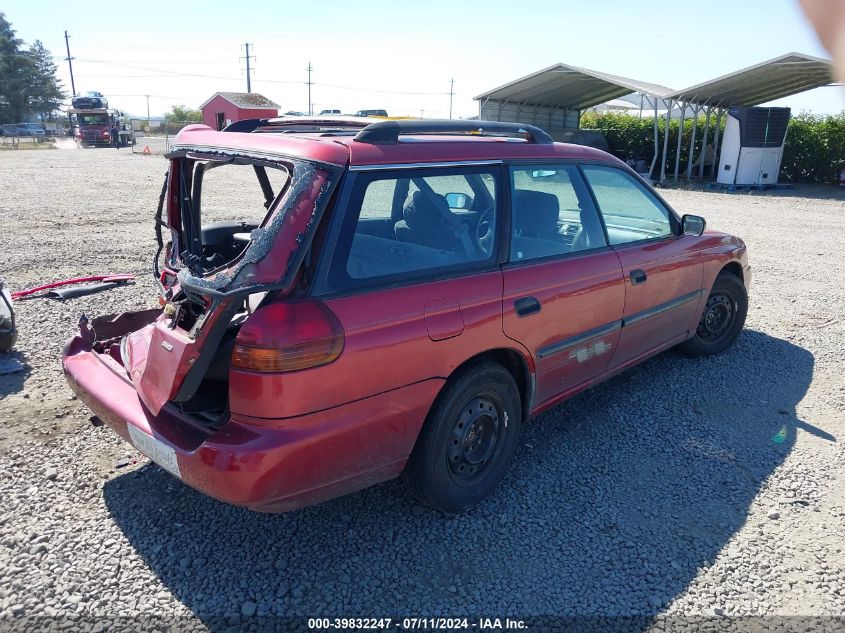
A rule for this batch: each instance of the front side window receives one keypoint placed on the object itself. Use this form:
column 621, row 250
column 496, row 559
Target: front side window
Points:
column 412, row 225
column 551, row 213
column 630, row 212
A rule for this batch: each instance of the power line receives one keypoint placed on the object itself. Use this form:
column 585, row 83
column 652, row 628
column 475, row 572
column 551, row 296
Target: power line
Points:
column 69, row 62
column 377, row 90
column 163, row 73
column 153, row 61
column 169, row 74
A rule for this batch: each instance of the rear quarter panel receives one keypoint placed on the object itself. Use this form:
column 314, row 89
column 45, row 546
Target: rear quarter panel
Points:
column 388, row 344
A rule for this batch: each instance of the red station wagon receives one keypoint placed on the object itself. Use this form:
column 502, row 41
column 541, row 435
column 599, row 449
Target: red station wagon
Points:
column 344, row 302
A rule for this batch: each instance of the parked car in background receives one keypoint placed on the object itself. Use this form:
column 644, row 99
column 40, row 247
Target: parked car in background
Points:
column 331, row 112
column 294, row 113
column 24, row 129
column 407, row 296
column 89, row 100
column 375, row 113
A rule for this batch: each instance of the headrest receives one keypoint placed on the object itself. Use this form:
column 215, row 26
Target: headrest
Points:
column 426, row 211
column 535, row 211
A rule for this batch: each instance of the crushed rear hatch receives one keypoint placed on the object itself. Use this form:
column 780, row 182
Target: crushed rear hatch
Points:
column 213, row 277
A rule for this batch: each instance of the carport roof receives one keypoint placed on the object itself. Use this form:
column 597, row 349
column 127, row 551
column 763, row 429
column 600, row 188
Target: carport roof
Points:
column 571, row 87
column 782, row 76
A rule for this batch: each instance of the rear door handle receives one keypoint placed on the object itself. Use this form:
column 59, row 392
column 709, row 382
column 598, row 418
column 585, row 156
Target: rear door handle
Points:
column 638, row 277
column 526, row 305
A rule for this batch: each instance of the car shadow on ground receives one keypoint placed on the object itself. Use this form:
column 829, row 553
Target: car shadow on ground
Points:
column 12, row 379
column 613, row 503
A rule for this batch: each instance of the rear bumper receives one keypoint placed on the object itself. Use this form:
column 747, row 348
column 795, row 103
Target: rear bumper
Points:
column 266, row 465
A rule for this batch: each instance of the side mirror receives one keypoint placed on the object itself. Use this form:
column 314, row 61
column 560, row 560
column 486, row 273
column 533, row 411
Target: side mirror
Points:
column 693, row 225
column 458, row 200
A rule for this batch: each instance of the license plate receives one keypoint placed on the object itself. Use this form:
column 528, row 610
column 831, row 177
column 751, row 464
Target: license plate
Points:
column 157, row 451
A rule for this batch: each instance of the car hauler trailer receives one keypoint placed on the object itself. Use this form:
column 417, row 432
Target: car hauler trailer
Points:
column 93, row 126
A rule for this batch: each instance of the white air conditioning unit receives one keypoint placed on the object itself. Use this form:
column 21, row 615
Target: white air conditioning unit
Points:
column 752, row 146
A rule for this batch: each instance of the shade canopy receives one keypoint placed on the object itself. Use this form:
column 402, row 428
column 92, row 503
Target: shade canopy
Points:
column 776, row 78
column 570, row 87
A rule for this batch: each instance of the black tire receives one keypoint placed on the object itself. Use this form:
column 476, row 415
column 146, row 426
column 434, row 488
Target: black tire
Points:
column 468, row 439
column 722, row 318
column 8, row 336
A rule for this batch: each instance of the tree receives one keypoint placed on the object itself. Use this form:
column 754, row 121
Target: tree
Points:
column 28, row 81
column 182, row 114
column 45, row 94
column 15, row 67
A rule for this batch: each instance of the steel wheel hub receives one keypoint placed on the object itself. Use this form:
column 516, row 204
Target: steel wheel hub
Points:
column 473, row 439
column 717, row 316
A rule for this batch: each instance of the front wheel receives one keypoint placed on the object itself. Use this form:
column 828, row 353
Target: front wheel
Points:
column 467, row 440
column 722, row 319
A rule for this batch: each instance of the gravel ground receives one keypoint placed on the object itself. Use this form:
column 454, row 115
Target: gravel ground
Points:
column 682, row 488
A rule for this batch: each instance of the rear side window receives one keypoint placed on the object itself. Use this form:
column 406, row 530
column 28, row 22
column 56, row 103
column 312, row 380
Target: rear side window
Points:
column 378, row 199
column 551, row 213
column 412, row 226
column 631, row 213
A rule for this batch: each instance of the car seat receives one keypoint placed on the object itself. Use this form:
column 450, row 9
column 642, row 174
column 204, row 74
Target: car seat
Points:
column 535, row 214
column 428, row 221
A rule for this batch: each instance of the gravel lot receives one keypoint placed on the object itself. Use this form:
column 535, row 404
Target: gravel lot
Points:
column 681, row 488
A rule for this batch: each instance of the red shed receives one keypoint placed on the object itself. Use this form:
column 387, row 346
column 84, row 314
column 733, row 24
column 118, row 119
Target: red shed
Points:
column 223, row 108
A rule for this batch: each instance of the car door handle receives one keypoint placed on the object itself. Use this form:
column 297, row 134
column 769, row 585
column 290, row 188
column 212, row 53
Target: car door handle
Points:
column 638, row 277
column 526, row 305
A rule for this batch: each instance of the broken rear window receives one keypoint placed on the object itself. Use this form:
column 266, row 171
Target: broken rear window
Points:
column 226, row 202
column 242, row 221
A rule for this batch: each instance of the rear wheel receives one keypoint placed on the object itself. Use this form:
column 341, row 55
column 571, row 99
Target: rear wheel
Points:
column 467, row 440
column 722, row 319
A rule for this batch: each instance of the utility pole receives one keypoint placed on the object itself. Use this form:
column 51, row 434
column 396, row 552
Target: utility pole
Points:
column 148, row 110
column 451, row 93
column 310, row 105
column 248, row 68
column 69, row 63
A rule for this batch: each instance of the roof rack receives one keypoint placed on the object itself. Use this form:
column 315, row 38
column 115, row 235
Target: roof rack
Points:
column 388, row 132
column 311, row 124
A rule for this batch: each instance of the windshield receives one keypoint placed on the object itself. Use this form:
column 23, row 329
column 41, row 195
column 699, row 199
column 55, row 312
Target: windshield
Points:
column 93, row 119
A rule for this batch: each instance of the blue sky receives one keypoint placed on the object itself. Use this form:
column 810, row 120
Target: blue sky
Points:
column 375, row 54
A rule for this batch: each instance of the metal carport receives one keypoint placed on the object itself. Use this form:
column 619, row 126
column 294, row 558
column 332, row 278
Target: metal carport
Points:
column 775, row 78
column 553, row 98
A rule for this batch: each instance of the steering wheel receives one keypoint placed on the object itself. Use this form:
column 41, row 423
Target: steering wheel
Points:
column 484, row 231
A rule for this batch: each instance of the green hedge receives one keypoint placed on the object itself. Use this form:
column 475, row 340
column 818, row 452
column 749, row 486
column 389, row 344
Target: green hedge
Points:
column 815, row 148
column 814, row 151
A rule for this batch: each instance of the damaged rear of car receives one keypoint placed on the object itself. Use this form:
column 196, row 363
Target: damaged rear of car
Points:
column 160, row 377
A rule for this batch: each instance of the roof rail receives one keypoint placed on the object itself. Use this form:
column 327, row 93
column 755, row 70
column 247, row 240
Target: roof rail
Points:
column 388, row 132
column 312, row 124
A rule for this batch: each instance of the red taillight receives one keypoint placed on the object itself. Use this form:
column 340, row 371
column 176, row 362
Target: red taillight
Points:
column 288, row 336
